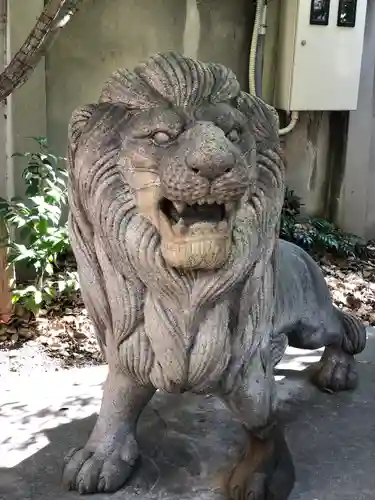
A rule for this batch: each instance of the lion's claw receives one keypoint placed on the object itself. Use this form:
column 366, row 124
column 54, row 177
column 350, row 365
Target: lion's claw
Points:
column 89, row 472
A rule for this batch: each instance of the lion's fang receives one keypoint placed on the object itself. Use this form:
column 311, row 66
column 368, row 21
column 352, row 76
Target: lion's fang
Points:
column 179, row 206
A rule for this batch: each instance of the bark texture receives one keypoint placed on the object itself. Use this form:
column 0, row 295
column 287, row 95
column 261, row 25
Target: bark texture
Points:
column 6, row 276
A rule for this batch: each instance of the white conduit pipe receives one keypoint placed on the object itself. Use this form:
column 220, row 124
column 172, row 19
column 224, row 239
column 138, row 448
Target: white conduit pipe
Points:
column 294, row 117
column 254, row 46
column 260, row 22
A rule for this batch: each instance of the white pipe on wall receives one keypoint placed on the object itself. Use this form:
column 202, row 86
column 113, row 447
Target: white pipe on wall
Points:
column 192, row 31
column 254, row 46
column 259, row 29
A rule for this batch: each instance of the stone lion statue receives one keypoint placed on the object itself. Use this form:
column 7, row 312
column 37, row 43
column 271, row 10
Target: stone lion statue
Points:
column 176, row 187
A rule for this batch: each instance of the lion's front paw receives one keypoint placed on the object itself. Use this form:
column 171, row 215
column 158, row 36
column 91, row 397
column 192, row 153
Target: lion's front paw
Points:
column 336, row 371
column 102, row 470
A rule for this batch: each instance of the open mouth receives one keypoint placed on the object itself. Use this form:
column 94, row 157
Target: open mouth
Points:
column 184, row 218
column 196, row 235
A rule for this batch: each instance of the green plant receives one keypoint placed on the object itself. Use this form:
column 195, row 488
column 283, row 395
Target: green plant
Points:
column 37, row 223
column 315, row 234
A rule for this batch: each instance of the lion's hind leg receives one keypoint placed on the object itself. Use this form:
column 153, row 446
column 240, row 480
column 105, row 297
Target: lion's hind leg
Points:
column 343, row 335
column 109, row 457
column 337, row 368
column 265, row 471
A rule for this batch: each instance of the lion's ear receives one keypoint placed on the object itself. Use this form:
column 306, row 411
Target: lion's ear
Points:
column 263, row 118
column 78, row 122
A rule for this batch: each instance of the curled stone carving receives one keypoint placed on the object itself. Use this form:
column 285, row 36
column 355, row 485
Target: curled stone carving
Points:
column 176, row 184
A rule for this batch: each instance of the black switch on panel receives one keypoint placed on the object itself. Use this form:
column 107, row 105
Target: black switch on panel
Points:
column 319, row 12
column 347, row 13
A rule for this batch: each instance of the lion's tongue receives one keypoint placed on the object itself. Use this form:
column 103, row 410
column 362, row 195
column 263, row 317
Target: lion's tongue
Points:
column 207, row 227
column 200, row 228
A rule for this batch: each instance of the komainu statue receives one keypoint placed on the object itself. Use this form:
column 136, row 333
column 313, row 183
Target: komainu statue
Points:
column 176, row 188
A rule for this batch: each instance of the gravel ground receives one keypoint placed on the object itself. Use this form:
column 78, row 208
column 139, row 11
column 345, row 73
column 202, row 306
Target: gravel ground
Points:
column 60, row 339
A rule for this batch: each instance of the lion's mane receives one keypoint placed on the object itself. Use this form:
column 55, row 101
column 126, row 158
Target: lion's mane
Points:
column 173, row 329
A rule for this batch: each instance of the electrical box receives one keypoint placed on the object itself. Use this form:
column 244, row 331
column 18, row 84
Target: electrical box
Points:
column 319, row 54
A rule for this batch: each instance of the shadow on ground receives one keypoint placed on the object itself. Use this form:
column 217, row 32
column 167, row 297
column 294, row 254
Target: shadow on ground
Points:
column 189, row 442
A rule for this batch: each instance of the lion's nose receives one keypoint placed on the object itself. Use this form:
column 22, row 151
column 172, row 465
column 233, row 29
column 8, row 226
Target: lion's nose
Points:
column 210, row 162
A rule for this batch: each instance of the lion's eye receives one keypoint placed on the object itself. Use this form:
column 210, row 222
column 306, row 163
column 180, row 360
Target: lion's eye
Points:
column 233, row 135
column 161, row 137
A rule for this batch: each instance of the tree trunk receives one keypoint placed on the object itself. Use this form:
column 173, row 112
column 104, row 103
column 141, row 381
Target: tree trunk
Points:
column 6, row 276
column 56, row 14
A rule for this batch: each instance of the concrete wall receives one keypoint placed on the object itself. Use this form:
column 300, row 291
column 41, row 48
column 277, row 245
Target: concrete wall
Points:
column 113, row 33
column 24, row 114
column 307, row 160
column 356, row 203
column 108, row 34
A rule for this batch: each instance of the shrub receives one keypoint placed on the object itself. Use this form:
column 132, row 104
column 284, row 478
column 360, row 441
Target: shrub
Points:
column 315, row 234
column 37, row 223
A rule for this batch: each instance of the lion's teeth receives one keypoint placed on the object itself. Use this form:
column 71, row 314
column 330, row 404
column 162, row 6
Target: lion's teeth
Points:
column 229, row 207
column 222, row 226
column 201, row 202
column 179, row 228
column 180, row 206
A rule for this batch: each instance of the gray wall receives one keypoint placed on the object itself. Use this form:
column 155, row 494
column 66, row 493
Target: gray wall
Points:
column 25, row 109
column 307, row 160
column 356, row 203
column 108, row 34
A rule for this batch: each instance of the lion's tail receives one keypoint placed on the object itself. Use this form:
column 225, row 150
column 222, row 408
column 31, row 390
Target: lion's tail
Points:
column 354, row 340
